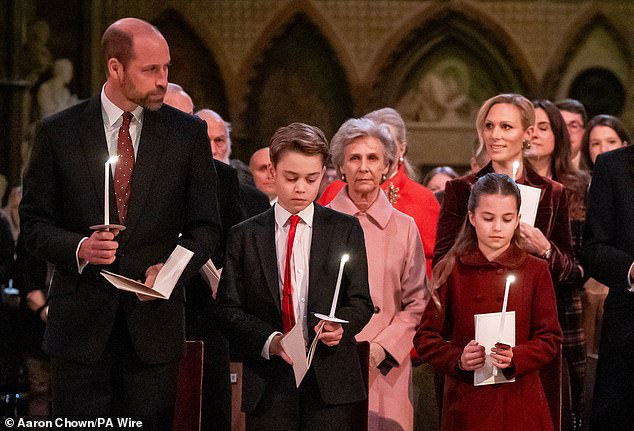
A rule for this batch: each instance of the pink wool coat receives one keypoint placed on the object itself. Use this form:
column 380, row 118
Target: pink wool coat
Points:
column 396, row 265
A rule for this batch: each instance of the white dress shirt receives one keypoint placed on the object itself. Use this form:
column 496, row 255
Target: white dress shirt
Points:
column 112, row 118
column 299, row 263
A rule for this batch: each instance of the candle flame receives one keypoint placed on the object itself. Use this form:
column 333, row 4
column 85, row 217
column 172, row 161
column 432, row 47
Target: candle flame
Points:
column 112, row 160
column 510, row 278
column 345, row 258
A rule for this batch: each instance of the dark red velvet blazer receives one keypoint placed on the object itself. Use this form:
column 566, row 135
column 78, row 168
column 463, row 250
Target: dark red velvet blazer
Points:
column 552, row 218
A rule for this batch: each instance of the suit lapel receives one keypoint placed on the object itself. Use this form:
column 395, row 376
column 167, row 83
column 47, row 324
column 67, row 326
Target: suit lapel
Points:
column 150, row 152
column 319, row 254
column 265, row 244
column 95, row 149
column 631, row 163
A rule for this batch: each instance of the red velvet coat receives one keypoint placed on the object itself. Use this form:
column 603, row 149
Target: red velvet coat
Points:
column 477, row 286
column 409, row 197
column 552, row 218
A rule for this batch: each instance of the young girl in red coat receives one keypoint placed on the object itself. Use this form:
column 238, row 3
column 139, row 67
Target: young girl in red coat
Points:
column 470, row 280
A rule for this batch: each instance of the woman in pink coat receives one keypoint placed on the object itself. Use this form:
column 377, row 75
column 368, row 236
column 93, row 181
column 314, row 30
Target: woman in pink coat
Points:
column 363, row 152
column 401, row 188
column 471, row 280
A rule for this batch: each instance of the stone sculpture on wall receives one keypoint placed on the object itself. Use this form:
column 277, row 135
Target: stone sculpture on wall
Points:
column 441, row 95
column 53, row 95
column 35, row 57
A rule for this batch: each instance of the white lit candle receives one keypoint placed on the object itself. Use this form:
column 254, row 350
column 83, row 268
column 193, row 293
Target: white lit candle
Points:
column 510, row 279
column 516, row 166
column 106, row 190
column 344, row 259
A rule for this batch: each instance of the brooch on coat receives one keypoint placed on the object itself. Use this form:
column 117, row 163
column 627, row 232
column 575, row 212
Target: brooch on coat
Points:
column 392, row 193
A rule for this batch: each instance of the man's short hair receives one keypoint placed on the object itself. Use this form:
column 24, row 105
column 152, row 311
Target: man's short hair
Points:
column 301, row 138
column 574, row 106
column 116, row 43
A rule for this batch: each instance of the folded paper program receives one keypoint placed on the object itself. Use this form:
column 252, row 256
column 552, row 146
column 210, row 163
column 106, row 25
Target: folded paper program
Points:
column 211, row 274
column 295, row 348
column 165, row 280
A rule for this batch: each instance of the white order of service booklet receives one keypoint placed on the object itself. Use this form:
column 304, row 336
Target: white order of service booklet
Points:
column 165, row 280
column 211, row 275
column 294, row 346
column 530, row 202
column 486, row 334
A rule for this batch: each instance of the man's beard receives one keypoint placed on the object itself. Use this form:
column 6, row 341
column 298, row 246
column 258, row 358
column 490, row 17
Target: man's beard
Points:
column 149, row 100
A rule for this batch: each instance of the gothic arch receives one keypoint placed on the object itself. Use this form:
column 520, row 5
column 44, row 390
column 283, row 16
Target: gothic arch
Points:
column 458, row 24
column 298, row 78
column 588, row 19
column 277, row 27
column 194, row 66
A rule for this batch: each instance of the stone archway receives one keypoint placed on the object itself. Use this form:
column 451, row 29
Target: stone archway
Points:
column 193, row 65
column 298, row 79
column 440, row 73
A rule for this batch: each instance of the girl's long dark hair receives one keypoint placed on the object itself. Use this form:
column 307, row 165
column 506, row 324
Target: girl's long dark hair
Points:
column 601, row 120
column 563, row 171
column 467, row 241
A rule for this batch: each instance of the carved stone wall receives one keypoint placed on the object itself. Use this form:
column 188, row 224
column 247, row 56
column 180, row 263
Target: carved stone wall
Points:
column 378, row 48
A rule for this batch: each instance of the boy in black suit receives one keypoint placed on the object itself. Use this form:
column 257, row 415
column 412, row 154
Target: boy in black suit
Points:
column 281, row 267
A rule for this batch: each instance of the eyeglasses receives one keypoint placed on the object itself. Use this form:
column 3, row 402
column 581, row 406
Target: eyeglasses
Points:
column 575, row 126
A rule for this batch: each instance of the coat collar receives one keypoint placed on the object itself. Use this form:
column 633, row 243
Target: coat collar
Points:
column 631, row 160
column 528, row 176
column 319, row 251
column 513, row 257
column 320, row 254
column 95, row 149
column 264, row 240
column 151, row 146
column 380, row 211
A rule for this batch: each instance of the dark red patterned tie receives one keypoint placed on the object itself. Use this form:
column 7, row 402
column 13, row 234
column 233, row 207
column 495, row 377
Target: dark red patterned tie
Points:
column 125, row 165
column 288, row 309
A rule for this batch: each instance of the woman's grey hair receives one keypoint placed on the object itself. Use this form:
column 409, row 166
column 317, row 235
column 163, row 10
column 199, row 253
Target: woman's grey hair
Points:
column 390, row 117
column 357, row 128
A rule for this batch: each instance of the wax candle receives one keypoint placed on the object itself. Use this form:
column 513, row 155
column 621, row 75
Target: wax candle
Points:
column 106, row 189
column 510, row 279
column 344, row 259
column 516, row 166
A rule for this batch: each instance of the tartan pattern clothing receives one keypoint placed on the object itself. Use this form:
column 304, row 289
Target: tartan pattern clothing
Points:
column 573, row 348
column 570, row 312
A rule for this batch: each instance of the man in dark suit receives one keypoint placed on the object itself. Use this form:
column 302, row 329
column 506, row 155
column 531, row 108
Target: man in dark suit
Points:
column 107, row 345
column 609, row 257
column 252, row 201
column 281, row 267
column 229, row 188
column 200, row 323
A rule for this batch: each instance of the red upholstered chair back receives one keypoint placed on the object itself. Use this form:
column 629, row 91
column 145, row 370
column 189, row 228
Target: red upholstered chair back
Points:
column 187, row 410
